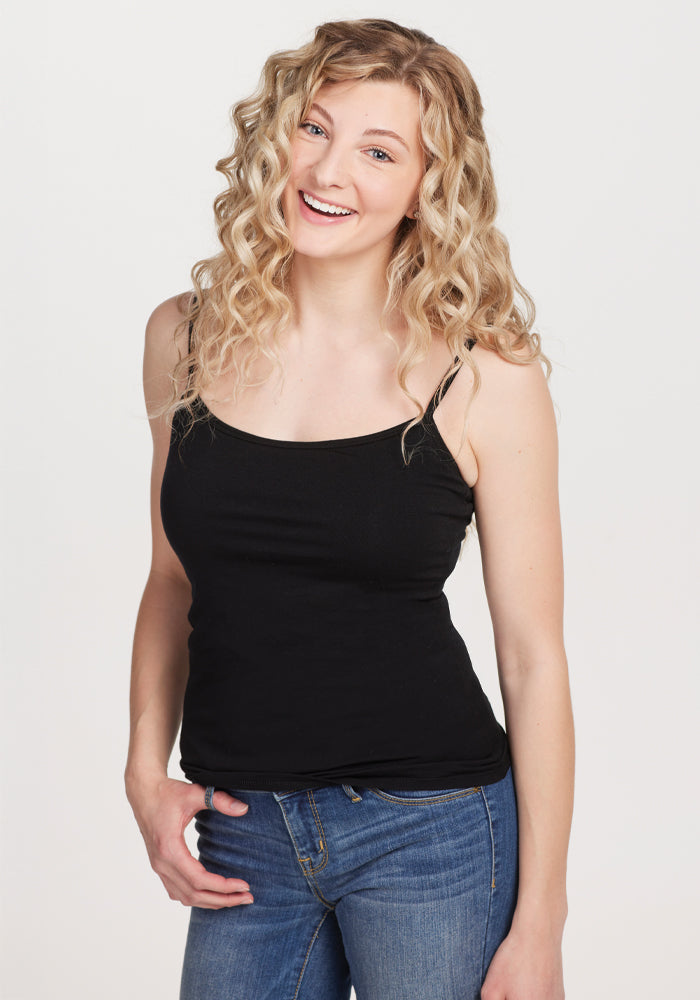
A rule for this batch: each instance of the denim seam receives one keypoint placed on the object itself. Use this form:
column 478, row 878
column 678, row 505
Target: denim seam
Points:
column 426, row 800
column 319, row 827
column 493, row 884
column 307, row 876
column 308, row 953
column 311, row 882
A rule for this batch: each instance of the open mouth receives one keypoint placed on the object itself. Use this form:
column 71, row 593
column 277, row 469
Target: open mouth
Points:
column 324, row 209
column 318, row 211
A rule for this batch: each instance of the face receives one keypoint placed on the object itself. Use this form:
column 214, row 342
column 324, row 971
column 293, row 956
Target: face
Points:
column 341, row 161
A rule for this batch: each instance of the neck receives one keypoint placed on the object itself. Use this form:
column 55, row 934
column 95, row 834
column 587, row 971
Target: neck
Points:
column 338, row 302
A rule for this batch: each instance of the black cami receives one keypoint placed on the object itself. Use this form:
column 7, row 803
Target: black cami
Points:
column 322, row 649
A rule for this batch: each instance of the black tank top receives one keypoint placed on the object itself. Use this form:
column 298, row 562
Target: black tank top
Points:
column 322, row 649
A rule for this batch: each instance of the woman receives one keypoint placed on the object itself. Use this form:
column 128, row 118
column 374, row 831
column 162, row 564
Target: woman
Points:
column 348, row 777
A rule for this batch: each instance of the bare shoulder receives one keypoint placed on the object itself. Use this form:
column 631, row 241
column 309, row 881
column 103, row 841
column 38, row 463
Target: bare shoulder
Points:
column 165, row 343
column 513, row 402
column 498, row 373
column 164, row 346
column 164, row 320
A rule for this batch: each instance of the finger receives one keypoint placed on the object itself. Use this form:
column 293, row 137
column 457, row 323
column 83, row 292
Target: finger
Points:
column 189, row 892
column 223, row 802
column 185, row 894
column 197, row 876
column 215, row 901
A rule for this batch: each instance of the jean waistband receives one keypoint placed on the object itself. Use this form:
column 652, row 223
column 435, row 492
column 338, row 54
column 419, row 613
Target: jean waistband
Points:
column 351, row 793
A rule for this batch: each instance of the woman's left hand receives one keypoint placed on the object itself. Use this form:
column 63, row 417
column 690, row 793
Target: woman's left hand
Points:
column 525, row 967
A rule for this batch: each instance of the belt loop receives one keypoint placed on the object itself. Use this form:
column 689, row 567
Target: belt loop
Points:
column 352, row 794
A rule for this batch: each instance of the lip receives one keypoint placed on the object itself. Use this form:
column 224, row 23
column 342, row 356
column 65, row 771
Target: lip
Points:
column 316, row 219
column 303, row 191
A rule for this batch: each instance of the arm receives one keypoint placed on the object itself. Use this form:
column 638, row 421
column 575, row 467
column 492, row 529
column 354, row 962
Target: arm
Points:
column 159, row 657
column 513, row 435
column 160, row 664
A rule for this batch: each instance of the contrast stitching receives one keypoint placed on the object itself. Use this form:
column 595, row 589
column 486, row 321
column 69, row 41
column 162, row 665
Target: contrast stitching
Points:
column 314, row 889
column 323, row 845
column 308, row 952
column 426, row 800
column 493, row 884
column 301, row 861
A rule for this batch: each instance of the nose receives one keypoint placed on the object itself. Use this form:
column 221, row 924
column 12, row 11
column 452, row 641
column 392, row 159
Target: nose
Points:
column 331, row 167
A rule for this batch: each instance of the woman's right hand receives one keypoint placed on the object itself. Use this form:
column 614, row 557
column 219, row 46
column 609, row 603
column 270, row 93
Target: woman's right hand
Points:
column 163, row 808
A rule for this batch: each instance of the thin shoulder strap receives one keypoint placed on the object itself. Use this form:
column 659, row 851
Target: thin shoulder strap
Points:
column 189, row 330
column 433, row 400
column 190, row 370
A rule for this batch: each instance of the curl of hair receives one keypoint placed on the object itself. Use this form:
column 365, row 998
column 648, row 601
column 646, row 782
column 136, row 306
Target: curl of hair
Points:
column 450, row 269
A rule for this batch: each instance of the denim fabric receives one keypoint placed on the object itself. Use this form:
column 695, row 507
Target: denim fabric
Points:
column 403, row 895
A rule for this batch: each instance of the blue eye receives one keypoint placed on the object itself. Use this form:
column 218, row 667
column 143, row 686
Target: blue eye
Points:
column 376, row 149
column 388, row 158
column 312, row 125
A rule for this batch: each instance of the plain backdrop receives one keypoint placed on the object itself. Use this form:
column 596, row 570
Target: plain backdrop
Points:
column 113, row 118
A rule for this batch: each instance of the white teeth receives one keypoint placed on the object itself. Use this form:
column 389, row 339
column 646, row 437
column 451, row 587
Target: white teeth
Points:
column 323, row 207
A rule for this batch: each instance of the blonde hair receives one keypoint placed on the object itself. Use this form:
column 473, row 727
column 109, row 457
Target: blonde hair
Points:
column 449, row 270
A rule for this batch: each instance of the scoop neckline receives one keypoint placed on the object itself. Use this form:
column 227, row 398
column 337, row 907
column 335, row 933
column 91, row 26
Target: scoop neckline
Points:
column 283, row 443
column 332, row 442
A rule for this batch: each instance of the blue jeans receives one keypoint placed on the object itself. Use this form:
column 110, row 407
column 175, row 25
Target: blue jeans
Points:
column 403, row 895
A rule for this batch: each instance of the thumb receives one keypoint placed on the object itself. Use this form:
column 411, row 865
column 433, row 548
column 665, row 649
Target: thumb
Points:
column 221, row 801
column 234, row 805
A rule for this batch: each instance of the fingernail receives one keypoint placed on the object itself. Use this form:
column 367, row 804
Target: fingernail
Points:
column 246, row 901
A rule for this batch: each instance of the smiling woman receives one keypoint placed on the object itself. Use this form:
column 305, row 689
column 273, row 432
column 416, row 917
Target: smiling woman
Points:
column 338, row 159
column 347, row 774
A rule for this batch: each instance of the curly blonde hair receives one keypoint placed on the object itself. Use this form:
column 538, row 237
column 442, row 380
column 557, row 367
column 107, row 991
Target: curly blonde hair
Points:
column 449, row 270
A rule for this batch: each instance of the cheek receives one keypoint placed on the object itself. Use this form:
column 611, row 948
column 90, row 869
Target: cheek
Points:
column 302, row 156
column 384, row 199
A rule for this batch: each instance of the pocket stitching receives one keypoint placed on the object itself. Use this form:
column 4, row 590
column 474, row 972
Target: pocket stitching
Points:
column 428, row 799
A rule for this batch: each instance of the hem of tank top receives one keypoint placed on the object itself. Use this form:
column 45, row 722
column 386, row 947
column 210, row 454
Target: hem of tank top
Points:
column 232, row 781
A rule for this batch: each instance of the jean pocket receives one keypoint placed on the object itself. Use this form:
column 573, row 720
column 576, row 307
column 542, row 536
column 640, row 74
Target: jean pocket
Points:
column 411, row 797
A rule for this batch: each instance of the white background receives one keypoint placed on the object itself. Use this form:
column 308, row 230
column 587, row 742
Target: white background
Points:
column 113, row 119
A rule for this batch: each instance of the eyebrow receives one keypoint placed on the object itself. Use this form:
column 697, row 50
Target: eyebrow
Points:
column 367, row 131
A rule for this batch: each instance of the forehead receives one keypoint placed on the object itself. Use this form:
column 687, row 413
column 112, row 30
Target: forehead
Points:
column 367, row 100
